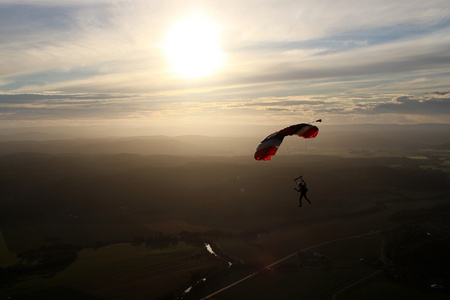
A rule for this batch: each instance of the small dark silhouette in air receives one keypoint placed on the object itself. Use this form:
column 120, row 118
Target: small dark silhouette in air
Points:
column 302, row 189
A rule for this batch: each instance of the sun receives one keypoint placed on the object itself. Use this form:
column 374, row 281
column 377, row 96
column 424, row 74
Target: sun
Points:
column 192, row 47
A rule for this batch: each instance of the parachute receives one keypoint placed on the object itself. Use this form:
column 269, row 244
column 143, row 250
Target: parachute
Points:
column 269, row 146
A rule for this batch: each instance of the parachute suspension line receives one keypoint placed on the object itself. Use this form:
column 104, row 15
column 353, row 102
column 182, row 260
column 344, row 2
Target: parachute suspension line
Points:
column 309, row 143
column 309, row 146
column 306, row 147
column 288, row 153
column 287, row 144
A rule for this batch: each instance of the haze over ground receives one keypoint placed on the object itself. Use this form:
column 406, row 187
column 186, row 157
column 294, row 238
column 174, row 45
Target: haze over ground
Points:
column 129, row 216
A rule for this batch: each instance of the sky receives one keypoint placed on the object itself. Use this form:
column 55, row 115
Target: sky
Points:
column 200, row 67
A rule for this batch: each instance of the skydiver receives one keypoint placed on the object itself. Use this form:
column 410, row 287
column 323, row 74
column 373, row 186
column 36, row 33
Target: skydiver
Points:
column 302, row 189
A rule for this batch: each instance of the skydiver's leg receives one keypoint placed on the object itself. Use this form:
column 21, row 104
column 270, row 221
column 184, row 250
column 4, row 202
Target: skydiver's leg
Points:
column 307, row 199
column 300, row 200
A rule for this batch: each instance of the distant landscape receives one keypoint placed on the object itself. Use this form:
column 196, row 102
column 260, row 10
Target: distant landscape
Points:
column 120, row 216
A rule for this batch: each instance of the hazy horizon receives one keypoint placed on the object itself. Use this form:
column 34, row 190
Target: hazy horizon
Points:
column 253, row 131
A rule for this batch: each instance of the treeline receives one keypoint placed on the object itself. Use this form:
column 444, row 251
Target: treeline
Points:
column 44, row 261
column 156, row 241
column 48, row 260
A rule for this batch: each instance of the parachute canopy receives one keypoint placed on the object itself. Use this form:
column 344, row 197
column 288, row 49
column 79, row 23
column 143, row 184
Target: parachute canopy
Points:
column 269, row 146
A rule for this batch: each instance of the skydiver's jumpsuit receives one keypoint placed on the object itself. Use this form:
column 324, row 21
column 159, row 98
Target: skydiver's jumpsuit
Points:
column 302, row 189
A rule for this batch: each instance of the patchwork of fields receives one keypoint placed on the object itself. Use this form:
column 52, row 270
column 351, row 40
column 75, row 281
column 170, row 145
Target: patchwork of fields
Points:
column 138, row 224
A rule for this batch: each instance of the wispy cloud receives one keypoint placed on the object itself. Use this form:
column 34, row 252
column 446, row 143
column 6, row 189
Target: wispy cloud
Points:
column 408, row 105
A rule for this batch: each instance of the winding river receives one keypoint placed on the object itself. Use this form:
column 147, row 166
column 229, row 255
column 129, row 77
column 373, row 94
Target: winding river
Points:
column 210, row 250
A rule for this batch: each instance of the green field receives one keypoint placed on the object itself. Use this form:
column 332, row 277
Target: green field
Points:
column 122, row 270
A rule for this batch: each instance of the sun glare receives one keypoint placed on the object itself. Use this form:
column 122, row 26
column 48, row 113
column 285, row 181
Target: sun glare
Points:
column 193, row 47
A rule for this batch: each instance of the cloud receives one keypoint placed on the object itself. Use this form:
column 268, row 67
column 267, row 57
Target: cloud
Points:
column 107, row 38
column 137, row 109
column 54, row 98
column 398, row 57
column 305, row 20
column 281, row 103
column 408, row 105
column 64, row 106
column 102, row 59
column 439, row 93
column 49, row 3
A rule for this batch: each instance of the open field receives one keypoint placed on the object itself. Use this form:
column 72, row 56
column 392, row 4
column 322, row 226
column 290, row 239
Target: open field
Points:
column 123, row 271
column 291, row 280
column 117, row 203
column 380, row 287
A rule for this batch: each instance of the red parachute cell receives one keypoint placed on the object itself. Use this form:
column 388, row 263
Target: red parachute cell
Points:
column 269, row 146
